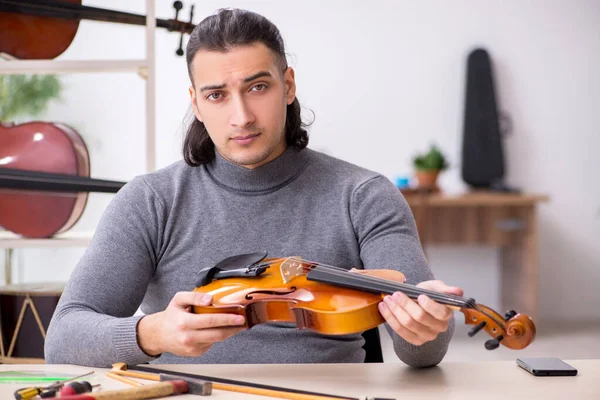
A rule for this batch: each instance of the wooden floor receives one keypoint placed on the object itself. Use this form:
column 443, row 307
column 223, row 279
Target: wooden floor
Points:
column 566, row 341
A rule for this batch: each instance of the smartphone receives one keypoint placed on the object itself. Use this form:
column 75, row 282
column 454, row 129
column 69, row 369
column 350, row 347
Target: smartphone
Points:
column 546, row 366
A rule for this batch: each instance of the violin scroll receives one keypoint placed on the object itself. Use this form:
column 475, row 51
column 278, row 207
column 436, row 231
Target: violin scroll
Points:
column 515, row 331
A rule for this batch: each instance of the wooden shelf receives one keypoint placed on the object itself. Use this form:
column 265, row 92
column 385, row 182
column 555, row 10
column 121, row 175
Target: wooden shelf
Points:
column 8, row 67
column 482, row 199
column 19, row 360
column 144, row 67
column 9, row 240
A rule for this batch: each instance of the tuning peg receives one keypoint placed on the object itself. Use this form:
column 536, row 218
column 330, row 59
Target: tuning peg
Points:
column 178, row 5
column 192, row 14
column 179, row 51
column 493, row 343
column 509, row 314
column 476, row 329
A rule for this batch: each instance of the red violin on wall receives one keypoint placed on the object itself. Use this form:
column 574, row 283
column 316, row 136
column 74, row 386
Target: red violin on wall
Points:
column 24, row 22
column 44, row 178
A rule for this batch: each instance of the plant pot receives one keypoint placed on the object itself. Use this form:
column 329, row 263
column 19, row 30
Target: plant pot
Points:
column 427, row 177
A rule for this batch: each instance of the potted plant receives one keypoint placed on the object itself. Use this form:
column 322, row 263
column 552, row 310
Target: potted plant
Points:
column 26, row 95
column 428, row 166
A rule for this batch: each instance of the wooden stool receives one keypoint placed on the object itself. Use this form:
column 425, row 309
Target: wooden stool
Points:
column 25, row 313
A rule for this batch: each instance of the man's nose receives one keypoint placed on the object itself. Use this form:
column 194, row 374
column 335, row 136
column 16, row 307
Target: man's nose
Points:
column 242, row 116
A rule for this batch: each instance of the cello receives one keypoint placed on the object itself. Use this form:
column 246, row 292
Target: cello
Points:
column 335, row 301
column 44, row 178
column 24, row 22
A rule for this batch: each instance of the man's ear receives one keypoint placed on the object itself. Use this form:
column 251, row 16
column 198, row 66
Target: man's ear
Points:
column 194, row 103
column 290, row 85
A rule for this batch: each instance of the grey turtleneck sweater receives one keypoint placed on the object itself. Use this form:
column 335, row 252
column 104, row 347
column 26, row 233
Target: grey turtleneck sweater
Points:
column 163, row 227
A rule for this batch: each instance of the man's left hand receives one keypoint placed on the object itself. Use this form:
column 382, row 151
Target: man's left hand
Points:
column 420, row 321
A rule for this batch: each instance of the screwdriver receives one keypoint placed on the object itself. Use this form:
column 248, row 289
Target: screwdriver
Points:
column 77, row 388
column 69, row 389
column 28, row 393
column 31, row 392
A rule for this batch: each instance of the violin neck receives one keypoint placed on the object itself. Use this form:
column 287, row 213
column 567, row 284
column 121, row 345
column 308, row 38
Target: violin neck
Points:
column 59, row 9
column 366, row 283
column 17, row 179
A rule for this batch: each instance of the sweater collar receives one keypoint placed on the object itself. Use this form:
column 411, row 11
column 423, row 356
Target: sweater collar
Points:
column 270, row 176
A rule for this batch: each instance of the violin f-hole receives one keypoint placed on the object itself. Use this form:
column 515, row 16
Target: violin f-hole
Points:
column 249, row 296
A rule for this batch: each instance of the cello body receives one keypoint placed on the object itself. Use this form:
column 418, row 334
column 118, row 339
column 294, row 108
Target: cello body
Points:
column 48, row 147
column 37, row 37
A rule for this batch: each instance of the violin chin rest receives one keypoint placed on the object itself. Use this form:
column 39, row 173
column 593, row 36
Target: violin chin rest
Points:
column 239, row 261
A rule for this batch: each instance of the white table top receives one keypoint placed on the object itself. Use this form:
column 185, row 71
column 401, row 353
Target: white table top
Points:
column 468, row 380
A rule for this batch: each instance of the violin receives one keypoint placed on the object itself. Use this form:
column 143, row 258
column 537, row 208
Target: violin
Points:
column 334, row 301
column 44, row 178
column 44, row 29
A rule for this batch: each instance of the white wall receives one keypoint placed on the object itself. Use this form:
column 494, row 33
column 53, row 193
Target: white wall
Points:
column 384, row 79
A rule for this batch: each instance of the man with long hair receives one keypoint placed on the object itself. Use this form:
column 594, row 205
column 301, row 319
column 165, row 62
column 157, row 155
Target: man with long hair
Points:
column 248, row 182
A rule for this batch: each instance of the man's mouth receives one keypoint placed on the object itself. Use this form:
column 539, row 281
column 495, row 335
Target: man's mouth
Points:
column 245, row 139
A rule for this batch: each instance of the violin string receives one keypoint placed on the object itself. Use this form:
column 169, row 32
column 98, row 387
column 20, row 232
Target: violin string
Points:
column 85, row 12
column 405, row 288
column 381, row 280
column 409, row 287
column 75, row 11
column 390, row 287
column 387, row 286
column 345, row 271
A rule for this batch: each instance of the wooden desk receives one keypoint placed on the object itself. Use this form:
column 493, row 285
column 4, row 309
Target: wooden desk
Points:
column 504, row 220
column 472, row 380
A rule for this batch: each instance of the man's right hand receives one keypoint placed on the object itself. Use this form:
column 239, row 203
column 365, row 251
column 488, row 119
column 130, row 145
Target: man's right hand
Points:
column 178, row 331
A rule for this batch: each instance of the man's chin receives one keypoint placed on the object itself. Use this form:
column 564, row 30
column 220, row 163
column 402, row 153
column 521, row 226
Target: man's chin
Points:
column 252, row 157
column 249, row 160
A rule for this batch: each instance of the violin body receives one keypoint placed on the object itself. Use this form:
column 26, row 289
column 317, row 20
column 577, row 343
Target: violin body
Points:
column 43, row 29
column 332, row 300
column 48, row 147
column 309, row 305
column 37, row 37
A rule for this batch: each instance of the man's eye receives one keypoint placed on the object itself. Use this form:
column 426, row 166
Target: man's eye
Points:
column 214, row 96
column 260, row 87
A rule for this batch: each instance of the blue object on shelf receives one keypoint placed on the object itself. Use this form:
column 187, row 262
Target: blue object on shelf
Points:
column 402, row 182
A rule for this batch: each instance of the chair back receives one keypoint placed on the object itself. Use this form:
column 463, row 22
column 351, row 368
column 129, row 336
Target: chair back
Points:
column 372, row 346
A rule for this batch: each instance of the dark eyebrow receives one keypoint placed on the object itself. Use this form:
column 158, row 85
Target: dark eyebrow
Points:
column 260, row 74
column 212, row 87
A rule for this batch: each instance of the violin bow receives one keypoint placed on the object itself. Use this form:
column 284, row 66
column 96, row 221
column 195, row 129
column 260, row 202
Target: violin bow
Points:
column 19, row 179
column 254, row 388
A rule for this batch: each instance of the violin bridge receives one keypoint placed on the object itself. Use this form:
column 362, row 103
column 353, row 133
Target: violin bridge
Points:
column 291, row 268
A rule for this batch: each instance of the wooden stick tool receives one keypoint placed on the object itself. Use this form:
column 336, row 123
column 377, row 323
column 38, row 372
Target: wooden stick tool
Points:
column 196, row 386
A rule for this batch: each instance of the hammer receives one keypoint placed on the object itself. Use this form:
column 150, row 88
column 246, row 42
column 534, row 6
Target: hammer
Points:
column 121, row 369
column 195, row 386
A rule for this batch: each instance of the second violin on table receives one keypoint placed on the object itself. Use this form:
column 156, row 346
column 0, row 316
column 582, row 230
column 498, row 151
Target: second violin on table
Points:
column 335, row 301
